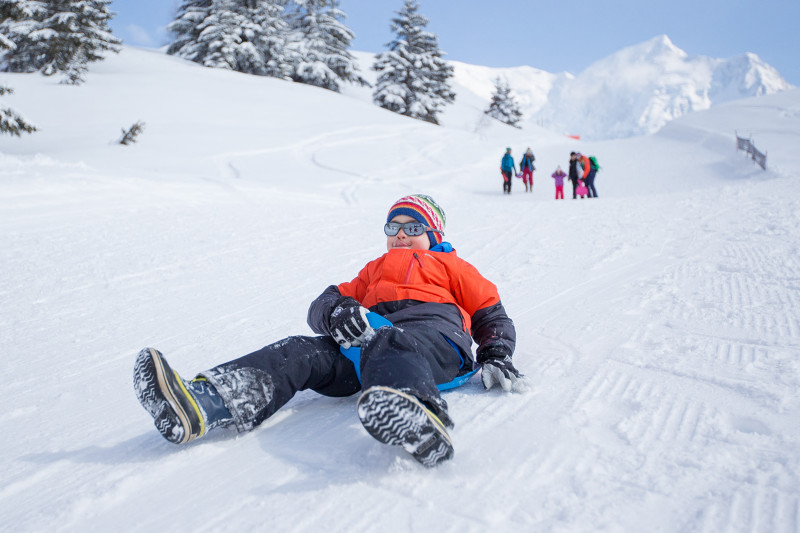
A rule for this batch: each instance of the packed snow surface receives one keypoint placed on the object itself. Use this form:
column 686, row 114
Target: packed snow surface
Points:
column 658, row 325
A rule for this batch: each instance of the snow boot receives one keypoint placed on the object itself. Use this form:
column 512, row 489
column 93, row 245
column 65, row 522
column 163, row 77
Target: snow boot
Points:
column 400, row 419
column 182, row 410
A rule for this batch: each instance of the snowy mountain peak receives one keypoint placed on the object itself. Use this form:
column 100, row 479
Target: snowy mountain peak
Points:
column 639, row 89
column 744, row 76
column 656, row 49
column 634, row 91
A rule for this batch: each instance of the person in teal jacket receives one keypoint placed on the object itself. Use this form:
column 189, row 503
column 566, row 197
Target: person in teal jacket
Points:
column 508, row 169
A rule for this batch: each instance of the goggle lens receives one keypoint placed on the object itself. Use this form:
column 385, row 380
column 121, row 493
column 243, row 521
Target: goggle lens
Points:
column 412, row 229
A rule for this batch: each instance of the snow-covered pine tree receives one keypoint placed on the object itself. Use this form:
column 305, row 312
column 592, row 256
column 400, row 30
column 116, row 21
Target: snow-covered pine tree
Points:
column 413, row 78
column 272, row 36
column 62, row 36
column 504, row 106
column 12, row 122
column 221, row 35
column 321, row 41
column 185, row 29
column 243, row 35
column 11, row 12
column 22, row 51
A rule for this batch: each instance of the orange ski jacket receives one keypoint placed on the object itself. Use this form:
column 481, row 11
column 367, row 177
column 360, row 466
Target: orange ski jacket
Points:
column 423, row 276
column 586, row 166
column 438, row 289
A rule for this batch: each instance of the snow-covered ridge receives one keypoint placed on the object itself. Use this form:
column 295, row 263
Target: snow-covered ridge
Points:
column 634, row 91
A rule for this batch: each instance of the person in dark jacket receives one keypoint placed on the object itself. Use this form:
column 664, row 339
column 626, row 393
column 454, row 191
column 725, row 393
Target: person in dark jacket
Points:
column 527, row 167
column 435, row 303
column 572, row 174
column 508, row 169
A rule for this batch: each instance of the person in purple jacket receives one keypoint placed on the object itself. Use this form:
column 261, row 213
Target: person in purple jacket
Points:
column 559, row 176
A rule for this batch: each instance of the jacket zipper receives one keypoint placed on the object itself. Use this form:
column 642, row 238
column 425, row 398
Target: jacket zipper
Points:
column 411, row 267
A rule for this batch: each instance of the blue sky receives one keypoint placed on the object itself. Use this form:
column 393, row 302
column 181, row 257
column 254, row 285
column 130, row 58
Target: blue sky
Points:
column 567, row 35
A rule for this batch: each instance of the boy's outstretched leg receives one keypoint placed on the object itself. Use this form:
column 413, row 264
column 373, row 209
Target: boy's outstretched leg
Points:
column 182, row 410
column 397, row 418
column 401, row 405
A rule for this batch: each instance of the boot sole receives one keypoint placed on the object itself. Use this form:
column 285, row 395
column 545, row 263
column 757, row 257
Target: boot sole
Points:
column 163, row 394
column 399, row 419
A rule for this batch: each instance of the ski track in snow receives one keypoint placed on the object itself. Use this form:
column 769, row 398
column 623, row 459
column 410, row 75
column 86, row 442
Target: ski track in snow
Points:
column 659, row 334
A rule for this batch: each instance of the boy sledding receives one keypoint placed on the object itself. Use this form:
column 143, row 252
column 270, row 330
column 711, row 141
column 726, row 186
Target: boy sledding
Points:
column 437, row 304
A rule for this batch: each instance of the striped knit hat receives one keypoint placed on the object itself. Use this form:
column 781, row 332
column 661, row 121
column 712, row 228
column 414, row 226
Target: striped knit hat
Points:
column 423, row 209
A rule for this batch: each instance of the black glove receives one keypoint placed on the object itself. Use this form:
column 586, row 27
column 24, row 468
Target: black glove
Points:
column 348, row 323
column 497, row 369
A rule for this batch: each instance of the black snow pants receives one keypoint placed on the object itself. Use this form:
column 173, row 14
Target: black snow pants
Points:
column 414, row 358
column 589, row 181
column 507, row 175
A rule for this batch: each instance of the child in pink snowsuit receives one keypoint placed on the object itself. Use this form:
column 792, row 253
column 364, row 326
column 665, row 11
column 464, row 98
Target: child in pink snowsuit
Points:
column 527, row 167
column 559, row 176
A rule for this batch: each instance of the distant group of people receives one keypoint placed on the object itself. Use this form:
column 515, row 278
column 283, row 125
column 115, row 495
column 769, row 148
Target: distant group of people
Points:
column 582, row 178
column 508, row 169
column 582, row 172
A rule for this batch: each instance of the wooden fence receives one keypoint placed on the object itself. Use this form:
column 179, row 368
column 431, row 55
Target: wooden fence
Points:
column 748, row 146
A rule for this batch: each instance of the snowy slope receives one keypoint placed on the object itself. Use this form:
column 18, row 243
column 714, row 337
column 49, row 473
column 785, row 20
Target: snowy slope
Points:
column 658, row 325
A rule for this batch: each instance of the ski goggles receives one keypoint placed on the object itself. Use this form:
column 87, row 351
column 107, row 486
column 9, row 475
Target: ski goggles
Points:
column 412, row 229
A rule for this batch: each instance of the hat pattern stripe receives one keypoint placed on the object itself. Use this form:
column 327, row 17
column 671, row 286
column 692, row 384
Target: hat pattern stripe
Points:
column 423, row 209
column 431, row 219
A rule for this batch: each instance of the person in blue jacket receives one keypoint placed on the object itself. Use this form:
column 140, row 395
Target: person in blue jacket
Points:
column 508, row 169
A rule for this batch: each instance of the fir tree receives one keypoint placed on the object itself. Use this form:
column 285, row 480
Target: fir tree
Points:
column 221, row 37
column 61, row 36
column 413, row 78
column 243, row 35
column 129, row 136
column 271, row 35
column 321, row 43
column 12, row 122
column 191, row 13
column 11, row 12
column 23, row 49
column 503, row 106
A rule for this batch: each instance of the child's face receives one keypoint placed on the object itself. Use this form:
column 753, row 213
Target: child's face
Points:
column 403, row 241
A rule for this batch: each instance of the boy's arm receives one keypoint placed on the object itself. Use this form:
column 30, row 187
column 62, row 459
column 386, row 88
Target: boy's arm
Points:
column 493, row 332
column 496, row 338
column 321, row 309
column 345, row 294
column 319, row 312
column 341, row 317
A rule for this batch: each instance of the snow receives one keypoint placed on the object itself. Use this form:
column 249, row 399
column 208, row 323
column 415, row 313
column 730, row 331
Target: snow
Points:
column 659, row 325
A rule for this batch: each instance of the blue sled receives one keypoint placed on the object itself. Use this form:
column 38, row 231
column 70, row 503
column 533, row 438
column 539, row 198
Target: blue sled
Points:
column 377, row 321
